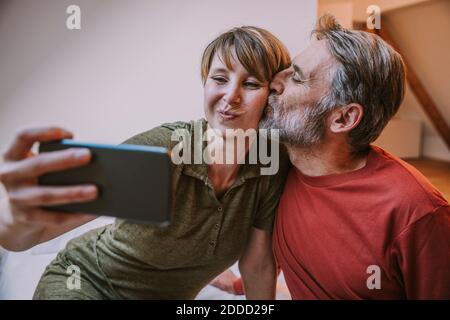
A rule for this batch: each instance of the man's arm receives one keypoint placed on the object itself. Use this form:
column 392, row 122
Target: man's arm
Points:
column 422, row 252
column 257, row 266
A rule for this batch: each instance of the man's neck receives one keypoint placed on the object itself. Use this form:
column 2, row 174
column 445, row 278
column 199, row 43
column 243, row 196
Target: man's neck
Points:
column 325, row 159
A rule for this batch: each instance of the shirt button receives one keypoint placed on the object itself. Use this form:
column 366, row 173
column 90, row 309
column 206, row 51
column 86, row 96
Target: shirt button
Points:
column 216, row 226
column 219, row 209
column 212, row 243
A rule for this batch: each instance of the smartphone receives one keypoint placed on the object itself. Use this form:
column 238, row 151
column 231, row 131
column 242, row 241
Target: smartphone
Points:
column 134, row 182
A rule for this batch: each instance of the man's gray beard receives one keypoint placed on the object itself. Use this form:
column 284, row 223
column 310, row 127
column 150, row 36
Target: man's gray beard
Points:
column 298, row 128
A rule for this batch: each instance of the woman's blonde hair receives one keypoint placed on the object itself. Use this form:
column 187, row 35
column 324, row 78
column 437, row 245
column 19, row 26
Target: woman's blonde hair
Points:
column 258, row 50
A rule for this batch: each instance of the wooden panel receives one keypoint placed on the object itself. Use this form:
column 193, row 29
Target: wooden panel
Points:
column 438, row 172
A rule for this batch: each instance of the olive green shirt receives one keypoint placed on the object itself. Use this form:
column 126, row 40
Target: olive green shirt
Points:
column 206, row 235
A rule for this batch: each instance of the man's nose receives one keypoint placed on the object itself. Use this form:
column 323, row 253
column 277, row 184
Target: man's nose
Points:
column 277, row 84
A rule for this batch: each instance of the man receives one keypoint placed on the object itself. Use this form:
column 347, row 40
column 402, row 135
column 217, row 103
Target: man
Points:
column 354, row 222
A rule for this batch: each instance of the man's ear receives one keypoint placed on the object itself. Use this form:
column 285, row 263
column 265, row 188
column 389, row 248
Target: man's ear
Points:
column 344, row 119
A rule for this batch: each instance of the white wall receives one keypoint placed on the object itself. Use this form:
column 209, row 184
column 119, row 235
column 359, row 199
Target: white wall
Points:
column 133, row 65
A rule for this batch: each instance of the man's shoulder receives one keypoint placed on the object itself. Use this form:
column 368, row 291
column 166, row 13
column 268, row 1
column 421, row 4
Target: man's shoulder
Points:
column 406, row 183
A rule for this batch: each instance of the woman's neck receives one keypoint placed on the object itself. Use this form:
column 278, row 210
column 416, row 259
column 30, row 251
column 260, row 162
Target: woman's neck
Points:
column 223, row 172
column 222, row 177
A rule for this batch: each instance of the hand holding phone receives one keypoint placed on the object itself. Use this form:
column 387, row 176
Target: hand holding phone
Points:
column 133, row 181
column 23, row 221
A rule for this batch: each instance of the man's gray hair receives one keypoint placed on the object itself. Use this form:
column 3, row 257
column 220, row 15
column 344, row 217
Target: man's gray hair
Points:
column 368, row 72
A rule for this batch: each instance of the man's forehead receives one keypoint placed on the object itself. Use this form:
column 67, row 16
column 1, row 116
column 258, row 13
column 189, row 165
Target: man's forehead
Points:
column 315, row 54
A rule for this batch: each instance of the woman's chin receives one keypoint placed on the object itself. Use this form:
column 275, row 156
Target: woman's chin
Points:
column 222, row 125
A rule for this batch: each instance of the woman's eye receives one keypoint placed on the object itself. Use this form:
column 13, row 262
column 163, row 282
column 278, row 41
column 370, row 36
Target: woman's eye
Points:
column 219, row 80
column 252, row 85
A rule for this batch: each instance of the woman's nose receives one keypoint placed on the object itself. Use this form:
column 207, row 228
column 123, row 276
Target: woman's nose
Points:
column 277, row 84
column 232, row 95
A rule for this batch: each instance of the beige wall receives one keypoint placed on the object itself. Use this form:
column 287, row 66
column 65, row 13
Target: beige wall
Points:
column 422, row 32
column 385, row 5
column 133, row 65
column 359, row 7
column 342, row 10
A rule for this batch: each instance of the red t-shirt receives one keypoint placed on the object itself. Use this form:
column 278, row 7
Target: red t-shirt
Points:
column 380, row 232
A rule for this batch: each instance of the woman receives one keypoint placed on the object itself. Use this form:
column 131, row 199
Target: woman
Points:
column 220, row 213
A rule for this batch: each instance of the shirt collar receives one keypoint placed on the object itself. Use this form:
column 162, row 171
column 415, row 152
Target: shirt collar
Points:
column 200, row 171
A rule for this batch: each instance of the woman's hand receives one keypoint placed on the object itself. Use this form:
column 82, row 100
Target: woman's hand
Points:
column 23, row 223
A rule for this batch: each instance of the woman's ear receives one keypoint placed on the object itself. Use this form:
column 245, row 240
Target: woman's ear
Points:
column 345, row 118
